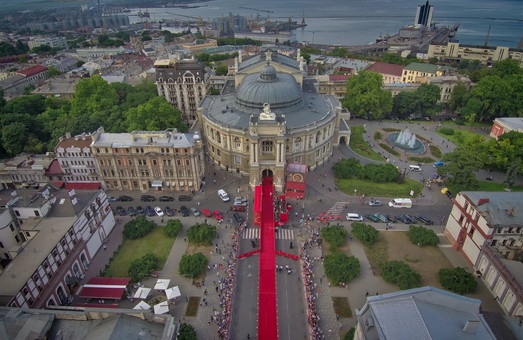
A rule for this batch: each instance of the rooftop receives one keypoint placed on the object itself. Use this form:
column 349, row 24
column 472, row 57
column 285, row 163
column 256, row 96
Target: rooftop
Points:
column 420, row 67
column 78, row 141
column 165, row 138
column 27, row 161
column 386, row 68
column 31, row 71
column 515, row 123
column 498, row 208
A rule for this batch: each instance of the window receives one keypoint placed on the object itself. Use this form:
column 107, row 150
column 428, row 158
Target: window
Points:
column 267, row 146
column 237, row 159
column 237, row 143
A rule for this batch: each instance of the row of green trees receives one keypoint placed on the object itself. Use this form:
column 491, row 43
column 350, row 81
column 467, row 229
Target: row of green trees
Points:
column 339, row 268
column 34, row 123
column 349, row 168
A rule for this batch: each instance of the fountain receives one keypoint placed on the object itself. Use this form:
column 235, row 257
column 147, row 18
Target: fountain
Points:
column 406, row 141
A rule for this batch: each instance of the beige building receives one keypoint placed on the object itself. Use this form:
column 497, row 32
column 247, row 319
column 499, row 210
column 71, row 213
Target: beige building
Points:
column 333, row 84
column 391, row 73
column 447, row 84
column 199, row 45
column 453, row 51
column 76, row 160
column 149, row 160
column 183, row 83
column 25, row 170
column 266, row 120
column 419, row 73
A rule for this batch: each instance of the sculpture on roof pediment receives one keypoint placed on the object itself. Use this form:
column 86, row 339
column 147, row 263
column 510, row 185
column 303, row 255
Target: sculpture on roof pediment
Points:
column 267, row 114
column 268, row 55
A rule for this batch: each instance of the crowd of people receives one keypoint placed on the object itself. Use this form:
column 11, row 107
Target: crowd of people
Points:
column 311, row 290
column 226, row 286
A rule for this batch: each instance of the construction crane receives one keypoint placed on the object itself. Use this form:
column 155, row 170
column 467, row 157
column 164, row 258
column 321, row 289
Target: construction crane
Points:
column 184, row 16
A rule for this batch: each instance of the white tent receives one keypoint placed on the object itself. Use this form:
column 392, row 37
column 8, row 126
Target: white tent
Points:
column 142, row 293
column 173, row 292
column 161, row 308
column 162, row 284
column 142, row 305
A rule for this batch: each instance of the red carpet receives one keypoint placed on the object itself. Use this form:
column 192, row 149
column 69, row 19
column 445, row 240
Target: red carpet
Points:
column 267, row 312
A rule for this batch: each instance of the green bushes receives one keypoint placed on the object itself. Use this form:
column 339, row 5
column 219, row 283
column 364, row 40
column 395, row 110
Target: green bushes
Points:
column 390, row 150
column 378, row 173
column 142, row 267
column 365, row 233
column 137, row 228
column 193, row 265
column 458, row 280
column 422, row 236
column 335, row 235
column 400, row 273
column 186, row 332
column 201, row 233
column 378, row 135
column 435, row 151
column 173, row 228
column 341, row 268
column 446, row 131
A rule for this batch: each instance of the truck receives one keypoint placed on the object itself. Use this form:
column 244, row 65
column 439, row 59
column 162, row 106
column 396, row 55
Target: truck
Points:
column 401, row 203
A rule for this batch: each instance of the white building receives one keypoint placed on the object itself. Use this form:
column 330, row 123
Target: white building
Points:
column 76, row 160
column 51, row 41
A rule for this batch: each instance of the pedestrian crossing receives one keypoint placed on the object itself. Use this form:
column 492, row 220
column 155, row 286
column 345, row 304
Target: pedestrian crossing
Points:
column 337, row 209
column 254, row 233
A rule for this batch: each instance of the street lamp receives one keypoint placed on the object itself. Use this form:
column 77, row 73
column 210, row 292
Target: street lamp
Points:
column 355, row 191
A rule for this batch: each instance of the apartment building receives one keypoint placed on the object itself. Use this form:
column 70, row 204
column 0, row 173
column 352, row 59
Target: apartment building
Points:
column 149, row 160
column 51, row 41
column 419, row 72
column 76, row 160
column 487, row 55
column 25, row 170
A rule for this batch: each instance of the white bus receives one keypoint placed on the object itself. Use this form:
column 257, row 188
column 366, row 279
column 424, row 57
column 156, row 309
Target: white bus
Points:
column 401, row 203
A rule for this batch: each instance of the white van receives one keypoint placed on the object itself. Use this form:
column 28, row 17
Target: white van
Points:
column 354, row 217
column 401, row 203
column 223, row 195
column 414, row 168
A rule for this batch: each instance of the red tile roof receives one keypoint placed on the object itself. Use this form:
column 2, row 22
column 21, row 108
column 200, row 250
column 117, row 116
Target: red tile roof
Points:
column 339, row 77
column 80, row 141
column 31, row 71
column 54, row 168
column 385, row 68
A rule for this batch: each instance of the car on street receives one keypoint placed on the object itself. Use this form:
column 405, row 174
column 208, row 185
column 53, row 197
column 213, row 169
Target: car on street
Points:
column 125, row 198
column 410, row 219
column 354, row 217
column 149, row 211
column 391, row 218
column 402, row 218
column 218, row 215
column 382, row 218
column 436, row 164
column 147, row 198
column 184, row 198
column 240, row 202
column 169, row 211
column 112, row 199
column 372, row 217
column 158, row 211
column 207, row 213
column 375, row 203
column 223, row 195
column 166, row 199
column 140, row 210
column 185, row 211
column 240, row 208
column 425, row 220
column 132, row 211
column 196, row 212
column 121, row 211
column 238, row 218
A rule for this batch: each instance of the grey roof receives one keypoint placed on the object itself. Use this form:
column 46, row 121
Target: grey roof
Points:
column 515, row 123
column 275, row 58
column 146, row 138
column 502, row 209
column 515, row 268
column 423, row 313
column 124, row 327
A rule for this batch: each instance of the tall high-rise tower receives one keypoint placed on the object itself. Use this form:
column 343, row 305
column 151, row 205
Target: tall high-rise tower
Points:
column 424, row 15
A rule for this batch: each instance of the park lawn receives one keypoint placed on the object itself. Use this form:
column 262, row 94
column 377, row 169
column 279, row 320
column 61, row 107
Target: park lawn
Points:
column 483, row 186
column 341, row 306
column 155, row 242
column 459, row 137
column 371, row 189
column 360, row 146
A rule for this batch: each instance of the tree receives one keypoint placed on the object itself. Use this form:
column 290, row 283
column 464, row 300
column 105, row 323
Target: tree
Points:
column 380, row 173
column 193, row 265
column 422, row 236
column 400, row 273
column 392, row 58
column 186, row 332
column 458, row 97
column 404, row 104
column 457, row 280
column 335, row 235
column 154, row 115
column 365, row 97
column 222, row 70
column 201, row 233
column 427, row 97
column 173, row 228
column 137, row 228
column 14, row 138
column 365, row 233
column 347, row 168
column 463, row 162
column 512, row 173
column 350, row 334
column 53, row 71
column 341, row 268
column 142, row 267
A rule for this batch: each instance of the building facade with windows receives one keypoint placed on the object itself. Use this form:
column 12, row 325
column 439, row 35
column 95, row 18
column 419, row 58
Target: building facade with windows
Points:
column 63, row 231
column 503, row 125
column 183, row 83
column 420, row 73
column 149, row 160
column 487, row 55
column 267, row 120
column 76, row 160
column 25, row 170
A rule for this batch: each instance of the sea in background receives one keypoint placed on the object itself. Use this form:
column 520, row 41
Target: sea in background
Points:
column 351, row 22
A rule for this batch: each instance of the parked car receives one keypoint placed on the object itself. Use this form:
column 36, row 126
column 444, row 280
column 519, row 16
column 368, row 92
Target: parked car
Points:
column 436, row 164
column 121, row 211
column 125, row 198
column 184, row 211
column 238, row 218
column 169, row 211
column 158, row 211
column 147, row 198
column 132, row 211
column 149, row 211
column 424, row 220
column 207, row 213
column 402, row 219
column 240, row 208
column 391, row 218
column 382, row 218
column 375, row 203
column 410, row 219
column 195, row 212
column 372, row 217
column 354, row 217
column 223, row 195
column 240, row 201
column 218, row 215
column 184, row 198
column 140, row 210
column 112, row 199
column 166, row 199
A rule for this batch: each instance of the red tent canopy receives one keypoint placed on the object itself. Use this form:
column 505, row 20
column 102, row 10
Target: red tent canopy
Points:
column 104, row 288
